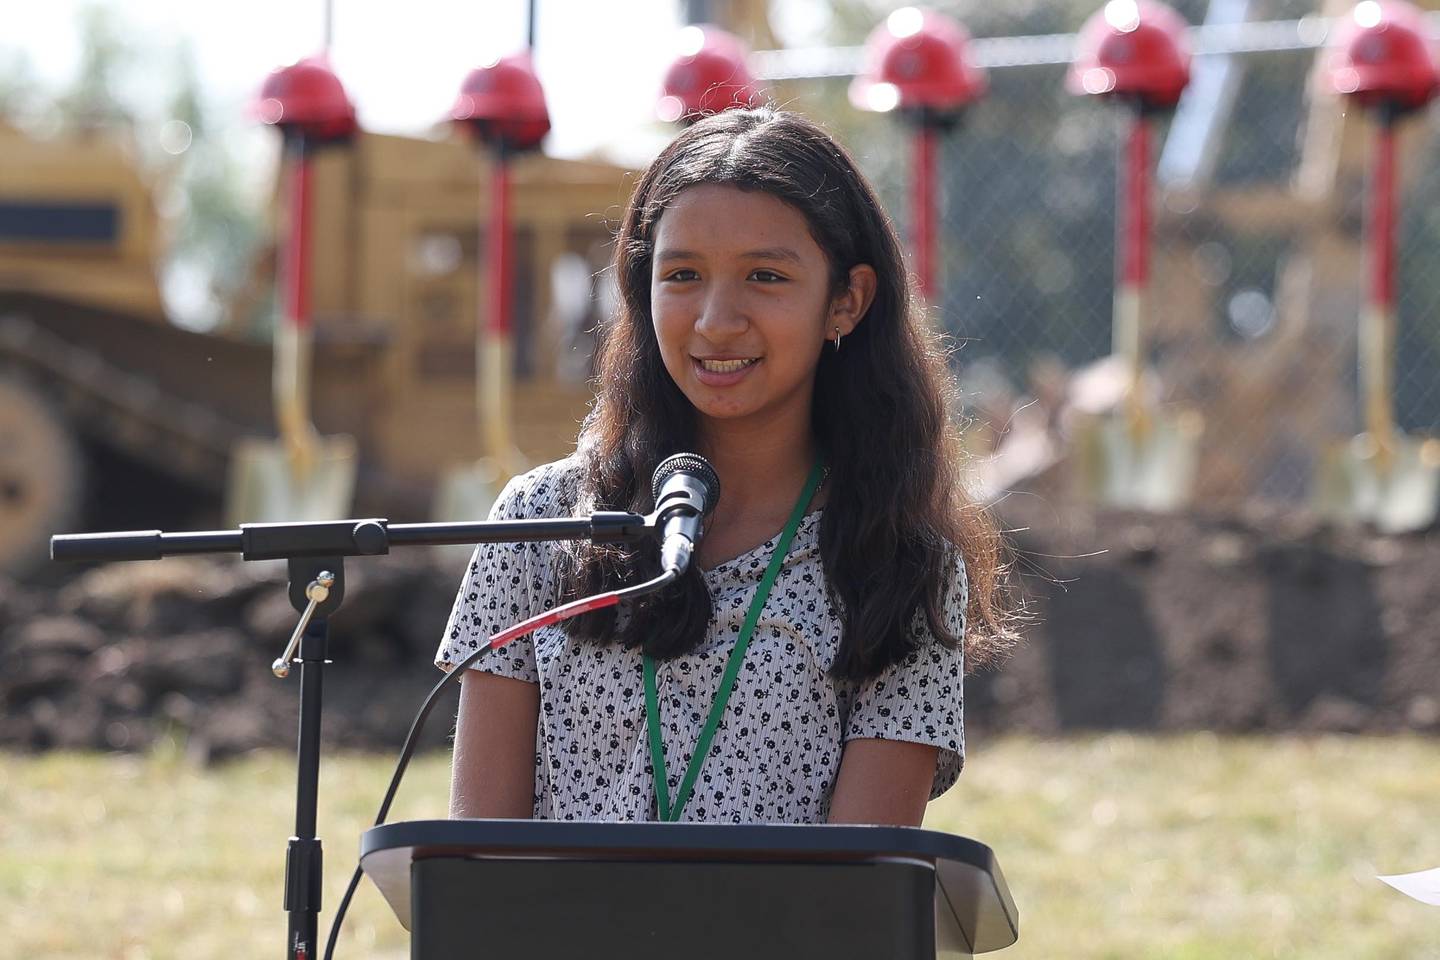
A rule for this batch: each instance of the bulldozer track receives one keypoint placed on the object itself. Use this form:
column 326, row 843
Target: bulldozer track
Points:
column 112, row 406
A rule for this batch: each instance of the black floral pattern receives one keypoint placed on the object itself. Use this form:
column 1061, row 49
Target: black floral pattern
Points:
column 777, row 750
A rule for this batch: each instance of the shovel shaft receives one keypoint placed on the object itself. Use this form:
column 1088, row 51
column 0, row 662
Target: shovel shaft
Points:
column 1381, row 221
column 1377, row 319
column 292, row 377
column 1132, row 244
column 291, row 374
column 1377, row 338
column 922, row 206
column 1125, row 333
column 1135, row 193
column 494, row 356
column 498, row 266
column 297, row 240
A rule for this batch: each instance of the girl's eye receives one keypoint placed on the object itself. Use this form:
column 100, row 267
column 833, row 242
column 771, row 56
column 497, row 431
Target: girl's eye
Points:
column 768, row 276
column 682, row 274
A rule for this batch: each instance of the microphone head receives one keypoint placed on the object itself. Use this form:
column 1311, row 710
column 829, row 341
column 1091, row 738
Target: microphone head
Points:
column 692, row 465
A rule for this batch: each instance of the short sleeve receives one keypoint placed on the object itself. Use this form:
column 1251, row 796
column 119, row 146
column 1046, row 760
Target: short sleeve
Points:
column 504, row 584
column 921, row 698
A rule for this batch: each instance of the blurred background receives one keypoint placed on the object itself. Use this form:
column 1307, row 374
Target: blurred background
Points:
column 1216, row 463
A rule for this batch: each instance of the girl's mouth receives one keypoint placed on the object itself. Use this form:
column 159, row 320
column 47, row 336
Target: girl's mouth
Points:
column 726, row 366
column 720, row 373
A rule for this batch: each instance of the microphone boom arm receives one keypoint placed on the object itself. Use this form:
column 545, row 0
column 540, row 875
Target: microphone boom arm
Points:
column 342, row 538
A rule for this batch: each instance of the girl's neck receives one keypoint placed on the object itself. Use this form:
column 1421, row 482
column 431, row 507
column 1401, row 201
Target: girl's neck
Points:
column 762, row 467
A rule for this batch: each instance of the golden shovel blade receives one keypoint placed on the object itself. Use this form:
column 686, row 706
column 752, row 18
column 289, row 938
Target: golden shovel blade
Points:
column 1394, row 486
column 1149, row 465
column 268, row 485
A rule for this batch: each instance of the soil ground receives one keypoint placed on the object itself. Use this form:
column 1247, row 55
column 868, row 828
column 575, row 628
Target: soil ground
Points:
column 1265, row 621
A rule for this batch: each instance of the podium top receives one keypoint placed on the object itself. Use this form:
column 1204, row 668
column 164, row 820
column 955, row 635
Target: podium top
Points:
column 969, row 882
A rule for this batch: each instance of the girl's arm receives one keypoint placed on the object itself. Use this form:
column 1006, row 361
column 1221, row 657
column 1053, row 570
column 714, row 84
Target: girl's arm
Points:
column 492, row 774
column 883, row 781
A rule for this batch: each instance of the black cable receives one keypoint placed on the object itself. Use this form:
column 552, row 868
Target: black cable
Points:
column 408, row 748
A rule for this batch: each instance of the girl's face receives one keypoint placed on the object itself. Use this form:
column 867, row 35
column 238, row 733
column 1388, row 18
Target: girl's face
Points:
column 742, row 302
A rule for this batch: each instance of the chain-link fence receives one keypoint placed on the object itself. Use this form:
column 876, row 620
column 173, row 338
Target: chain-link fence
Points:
column 1257, row 249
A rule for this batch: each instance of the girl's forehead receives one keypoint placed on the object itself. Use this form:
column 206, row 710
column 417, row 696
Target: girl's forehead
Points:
column 715, row 216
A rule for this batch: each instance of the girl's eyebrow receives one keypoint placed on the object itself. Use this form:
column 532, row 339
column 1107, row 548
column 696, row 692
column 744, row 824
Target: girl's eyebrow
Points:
column 765, row 253
column 773, row 253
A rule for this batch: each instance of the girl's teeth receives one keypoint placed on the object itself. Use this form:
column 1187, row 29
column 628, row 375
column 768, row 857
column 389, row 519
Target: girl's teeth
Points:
column 725, row 366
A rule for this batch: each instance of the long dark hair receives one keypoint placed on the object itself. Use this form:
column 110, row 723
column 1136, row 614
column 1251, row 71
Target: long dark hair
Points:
column 896, row 510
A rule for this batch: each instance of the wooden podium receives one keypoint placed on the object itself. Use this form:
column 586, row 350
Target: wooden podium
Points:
column 500, row 889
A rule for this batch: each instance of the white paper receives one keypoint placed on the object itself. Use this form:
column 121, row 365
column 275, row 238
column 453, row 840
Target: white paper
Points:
column 1423, row 886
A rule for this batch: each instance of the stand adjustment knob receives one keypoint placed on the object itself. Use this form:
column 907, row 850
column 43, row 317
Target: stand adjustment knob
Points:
column 316, row 592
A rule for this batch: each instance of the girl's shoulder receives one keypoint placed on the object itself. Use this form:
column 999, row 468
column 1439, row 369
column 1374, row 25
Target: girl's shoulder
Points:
column 549, row 490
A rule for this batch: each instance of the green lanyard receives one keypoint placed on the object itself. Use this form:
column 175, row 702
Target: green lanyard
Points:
column 732, row 669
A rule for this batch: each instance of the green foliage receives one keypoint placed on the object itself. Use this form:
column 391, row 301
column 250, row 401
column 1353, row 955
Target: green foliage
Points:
column 105, row 58
column 221, row 226
column 18, row 86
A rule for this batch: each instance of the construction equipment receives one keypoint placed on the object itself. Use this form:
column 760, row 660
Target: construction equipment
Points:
column 1140, row 457
column 1381, row 59
column 393, row 301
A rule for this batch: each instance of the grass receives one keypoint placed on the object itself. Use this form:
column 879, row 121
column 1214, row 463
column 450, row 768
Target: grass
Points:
column 1114, row 846
column 1200, row 847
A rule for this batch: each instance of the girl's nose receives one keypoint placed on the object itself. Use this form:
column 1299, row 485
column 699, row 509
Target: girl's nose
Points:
column 721, row 314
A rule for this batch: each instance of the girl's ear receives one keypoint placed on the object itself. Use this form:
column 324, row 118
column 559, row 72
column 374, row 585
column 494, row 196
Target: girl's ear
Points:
column 850, row 305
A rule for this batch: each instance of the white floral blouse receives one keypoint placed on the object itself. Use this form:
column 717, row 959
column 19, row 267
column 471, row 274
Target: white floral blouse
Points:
column 776, row 753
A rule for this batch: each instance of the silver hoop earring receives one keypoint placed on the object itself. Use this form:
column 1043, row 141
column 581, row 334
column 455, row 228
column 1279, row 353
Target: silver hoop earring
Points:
column 837, row 339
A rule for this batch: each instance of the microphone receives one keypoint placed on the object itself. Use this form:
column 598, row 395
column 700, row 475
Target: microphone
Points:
column 685, row 489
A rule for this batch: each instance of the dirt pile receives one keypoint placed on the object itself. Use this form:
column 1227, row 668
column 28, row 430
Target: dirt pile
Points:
column 1266, row 621
column 182, row 647
column 1260, row 622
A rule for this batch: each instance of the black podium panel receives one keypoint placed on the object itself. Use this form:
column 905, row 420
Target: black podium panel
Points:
column 538, row 910
column 634, row 891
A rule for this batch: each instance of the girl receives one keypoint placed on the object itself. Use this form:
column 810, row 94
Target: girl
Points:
column 766, row 323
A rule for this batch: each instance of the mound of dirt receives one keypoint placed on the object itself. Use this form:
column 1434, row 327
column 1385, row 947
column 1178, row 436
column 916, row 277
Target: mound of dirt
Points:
column 182, row 647
column 1266, row 621
column 1259, row 622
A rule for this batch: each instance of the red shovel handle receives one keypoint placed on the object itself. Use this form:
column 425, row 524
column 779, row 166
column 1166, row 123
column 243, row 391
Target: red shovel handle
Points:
column 1135, row 227
column 291, row 374
column 1132, row 249
column 1382, row 215
column 1377, row 321
column 922, row 206
column 297, row 243
column 498, row 285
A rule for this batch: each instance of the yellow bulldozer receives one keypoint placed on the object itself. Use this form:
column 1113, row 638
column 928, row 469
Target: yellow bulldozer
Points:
column 113, row 416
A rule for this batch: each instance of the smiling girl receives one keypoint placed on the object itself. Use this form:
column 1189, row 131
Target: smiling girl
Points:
column 808, row 667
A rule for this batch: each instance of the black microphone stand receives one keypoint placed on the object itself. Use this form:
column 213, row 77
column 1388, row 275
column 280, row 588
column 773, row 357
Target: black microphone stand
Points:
column 315, row 555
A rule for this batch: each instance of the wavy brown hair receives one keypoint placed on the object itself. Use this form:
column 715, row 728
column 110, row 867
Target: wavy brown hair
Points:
column 896, row 507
